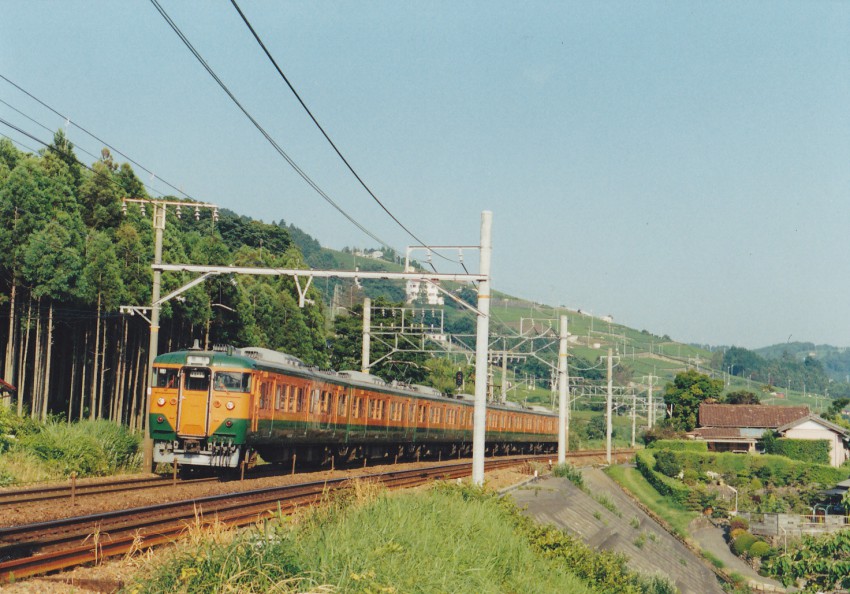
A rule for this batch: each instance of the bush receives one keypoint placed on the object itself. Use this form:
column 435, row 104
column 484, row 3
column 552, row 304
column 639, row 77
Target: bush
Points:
column 736, row 532
column 89, row 448
column 739, row 522
column 667, row 464
column 742, row 544
column 759, row 549
column 569, row 472
column 815, row 451
column 678, row 492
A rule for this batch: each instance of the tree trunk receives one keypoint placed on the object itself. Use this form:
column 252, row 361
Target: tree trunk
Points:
column 35, row 400
column 9, row 366
column 83, row 374
column 118, row 397
column 74, row 342
column 103, row 369
column 22, row 369
column 94, row 374
column 134, row 413
column 46, row 398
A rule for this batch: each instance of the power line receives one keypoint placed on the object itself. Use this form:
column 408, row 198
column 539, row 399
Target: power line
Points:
column 21, row 144
column 322, row 130
column 65, row 153
column 262, row 130
column 36, row 122
column 106, row 144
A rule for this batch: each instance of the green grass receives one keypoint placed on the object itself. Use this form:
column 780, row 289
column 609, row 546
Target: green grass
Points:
column 438, row 541
column 632, row 480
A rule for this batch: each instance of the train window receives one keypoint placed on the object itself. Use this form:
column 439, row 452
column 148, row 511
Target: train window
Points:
column 299, row 401
column 376, row 409
column 165, row 378
column 279, row 402
column 264, row 396
column 356, row 409
column 396, row 410
column 197, row 379
column 232, row 381
column 340, row 404
column 422, row 413
column 325, row 406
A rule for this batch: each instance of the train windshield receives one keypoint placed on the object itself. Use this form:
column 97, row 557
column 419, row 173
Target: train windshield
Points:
column 232, row 381
column 165, row 378
column 197, row 379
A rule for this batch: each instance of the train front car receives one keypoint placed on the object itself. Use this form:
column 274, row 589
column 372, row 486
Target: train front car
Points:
column 200, row 408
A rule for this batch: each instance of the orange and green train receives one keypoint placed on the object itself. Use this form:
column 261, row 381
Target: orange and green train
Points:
column 216, row 408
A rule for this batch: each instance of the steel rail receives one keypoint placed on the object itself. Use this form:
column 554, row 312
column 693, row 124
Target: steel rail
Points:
column 44, row 547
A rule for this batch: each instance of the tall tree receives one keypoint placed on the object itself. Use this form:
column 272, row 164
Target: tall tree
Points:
column 684, row 395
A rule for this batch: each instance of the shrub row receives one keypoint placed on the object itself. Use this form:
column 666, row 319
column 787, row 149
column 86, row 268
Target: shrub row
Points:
column 770, row 469
column 679, row 445
column 678, row 492
column 814, row 451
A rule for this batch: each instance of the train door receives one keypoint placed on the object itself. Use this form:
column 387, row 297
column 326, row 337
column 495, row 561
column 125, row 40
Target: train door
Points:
column 194, row 403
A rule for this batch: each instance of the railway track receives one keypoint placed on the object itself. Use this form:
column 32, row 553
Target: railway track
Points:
column 33, row 549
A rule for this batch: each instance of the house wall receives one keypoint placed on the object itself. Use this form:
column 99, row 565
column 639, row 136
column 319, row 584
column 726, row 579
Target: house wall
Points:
column 812, row 430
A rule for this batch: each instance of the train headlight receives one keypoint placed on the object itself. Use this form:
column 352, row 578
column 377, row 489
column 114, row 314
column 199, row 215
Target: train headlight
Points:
column 160, row 401
column 229, row 423
column 160, row 419
column 230, row 405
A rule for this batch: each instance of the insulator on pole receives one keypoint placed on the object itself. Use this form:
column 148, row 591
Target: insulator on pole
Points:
column 178, row 212
column 197, row 214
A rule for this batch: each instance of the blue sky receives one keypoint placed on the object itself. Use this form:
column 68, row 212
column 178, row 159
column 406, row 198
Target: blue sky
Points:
column 682, row 166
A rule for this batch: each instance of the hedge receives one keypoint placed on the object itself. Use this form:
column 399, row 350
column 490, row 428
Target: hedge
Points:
column 815, row 451
column 679, row 445
column 675, row 490
column 742, row 544
column 770, row 469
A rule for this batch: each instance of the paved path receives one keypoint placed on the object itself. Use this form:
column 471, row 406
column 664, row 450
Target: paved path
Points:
column 649, row 547
column 710, row 538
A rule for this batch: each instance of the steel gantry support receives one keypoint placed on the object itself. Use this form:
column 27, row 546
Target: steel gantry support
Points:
column 483, row 313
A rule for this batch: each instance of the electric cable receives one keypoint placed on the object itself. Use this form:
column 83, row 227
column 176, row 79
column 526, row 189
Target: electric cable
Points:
column 325, row 134
column 21, row 144
column 67, row 154
column 106, row 144
column 262, row 130
column 36, row 122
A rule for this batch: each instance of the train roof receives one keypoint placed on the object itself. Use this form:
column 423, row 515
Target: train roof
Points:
column 250, row 358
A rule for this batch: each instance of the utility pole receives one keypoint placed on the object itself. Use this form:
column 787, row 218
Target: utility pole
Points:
column 504, row 396
column 634, row 416
column 367, row 323
column 481, row 343
column 608, row 407
column 650, row 412
column 563, row 392
column 159, row 211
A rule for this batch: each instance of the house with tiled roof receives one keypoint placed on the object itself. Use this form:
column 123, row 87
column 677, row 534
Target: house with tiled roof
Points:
column 738, row 427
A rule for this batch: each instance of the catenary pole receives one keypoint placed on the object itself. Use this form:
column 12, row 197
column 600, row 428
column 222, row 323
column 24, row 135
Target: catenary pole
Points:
column 367, row 329
column 608, row 409
column 481, row 342
column 159, row 226
column 563, row 391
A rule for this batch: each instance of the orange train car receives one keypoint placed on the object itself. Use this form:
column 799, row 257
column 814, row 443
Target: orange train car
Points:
column 217, row 408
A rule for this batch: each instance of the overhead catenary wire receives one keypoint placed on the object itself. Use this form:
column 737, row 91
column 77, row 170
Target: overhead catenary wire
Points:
column 36, row 122
column 62, row 152
column 21, row 144
column 325, row 134
column 106, row 144
column 260, row 128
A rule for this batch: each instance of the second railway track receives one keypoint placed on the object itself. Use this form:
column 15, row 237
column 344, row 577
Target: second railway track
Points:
column 33, row 549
